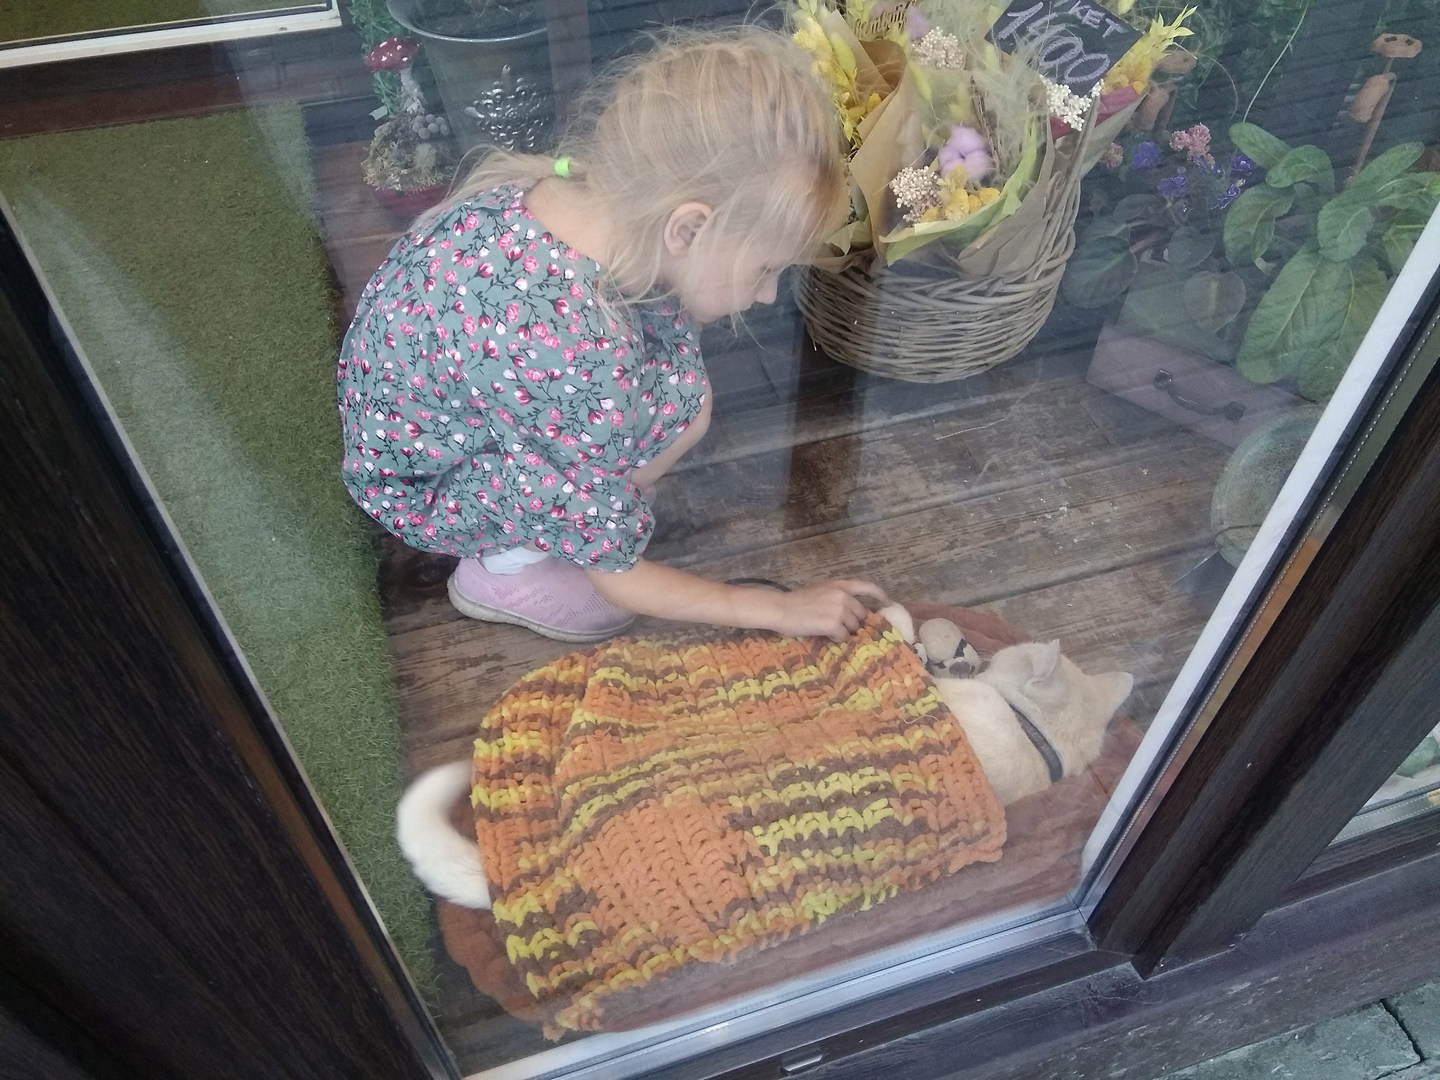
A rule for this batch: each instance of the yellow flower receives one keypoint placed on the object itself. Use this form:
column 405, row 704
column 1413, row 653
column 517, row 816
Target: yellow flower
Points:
column 1136, row 66
column 958, row 201
column 857, row 112
column 834, row 63
column 858, row 11
column 811, row 37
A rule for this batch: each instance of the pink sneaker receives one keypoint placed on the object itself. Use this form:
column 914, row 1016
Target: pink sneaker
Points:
column 553, row 597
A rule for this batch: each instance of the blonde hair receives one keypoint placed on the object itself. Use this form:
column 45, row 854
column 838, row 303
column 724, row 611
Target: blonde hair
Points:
column 733, row 118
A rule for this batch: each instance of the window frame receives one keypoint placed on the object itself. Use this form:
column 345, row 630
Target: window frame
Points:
column 1244, row 818
column 117, row 676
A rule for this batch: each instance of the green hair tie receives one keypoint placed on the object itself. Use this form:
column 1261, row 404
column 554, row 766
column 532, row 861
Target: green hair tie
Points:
column 562, row 168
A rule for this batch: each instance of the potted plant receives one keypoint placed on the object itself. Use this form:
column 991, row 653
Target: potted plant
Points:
column 490, row 61
column 1241, row 281
column 412, row 158
column 1152, row 251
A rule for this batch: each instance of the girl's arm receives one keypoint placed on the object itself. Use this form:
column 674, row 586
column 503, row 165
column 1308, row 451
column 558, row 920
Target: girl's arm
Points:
column 830, row 608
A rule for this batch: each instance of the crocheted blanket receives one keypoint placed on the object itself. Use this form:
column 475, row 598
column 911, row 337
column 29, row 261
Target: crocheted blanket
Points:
column 655, row 803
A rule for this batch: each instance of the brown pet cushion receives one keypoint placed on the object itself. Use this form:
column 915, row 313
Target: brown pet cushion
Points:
column 686, row 947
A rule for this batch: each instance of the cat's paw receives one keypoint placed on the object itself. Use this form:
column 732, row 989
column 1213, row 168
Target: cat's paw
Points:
column 945, row 651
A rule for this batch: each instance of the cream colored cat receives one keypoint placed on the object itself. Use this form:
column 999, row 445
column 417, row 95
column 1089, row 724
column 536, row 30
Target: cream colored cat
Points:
column 1030, row 683
column 1068, row 707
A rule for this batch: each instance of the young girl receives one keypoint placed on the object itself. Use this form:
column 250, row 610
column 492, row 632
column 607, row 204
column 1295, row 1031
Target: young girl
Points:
column 524, row 365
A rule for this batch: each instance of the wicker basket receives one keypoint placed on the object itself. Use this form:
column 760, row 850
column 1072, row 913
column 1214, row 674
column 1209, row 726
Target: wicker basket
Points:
column 927, row 321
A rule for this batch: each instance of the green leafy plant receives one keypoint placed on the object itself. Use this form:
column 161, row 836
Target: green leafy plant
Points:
column 1328, row 253
column 1282, row 280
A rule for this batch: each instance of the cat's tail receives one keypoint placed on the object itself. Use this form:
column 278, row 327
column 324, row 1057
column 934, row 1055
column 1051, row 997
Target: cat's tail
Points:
column 446, row 862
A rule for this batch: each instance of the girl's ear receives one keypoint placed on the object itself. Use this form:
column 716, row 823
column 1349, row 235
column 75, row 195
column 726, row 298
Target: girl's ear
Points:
column 684, row 225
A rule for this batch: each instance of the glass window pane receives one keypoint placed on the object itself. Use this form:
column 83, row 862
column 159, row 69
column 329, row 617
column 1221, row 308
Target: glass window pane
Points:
column 1065, row 401
column 1413, row 789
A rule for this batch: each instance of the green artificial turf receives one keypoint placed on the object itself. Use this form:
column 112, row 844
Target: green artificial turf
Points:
column 185, row 256
column 27, row 19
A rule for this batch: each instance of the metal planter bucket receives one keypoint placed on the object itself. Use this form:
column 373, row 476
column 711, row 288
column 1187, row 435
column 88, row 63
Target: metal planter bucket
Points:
column 496, row 89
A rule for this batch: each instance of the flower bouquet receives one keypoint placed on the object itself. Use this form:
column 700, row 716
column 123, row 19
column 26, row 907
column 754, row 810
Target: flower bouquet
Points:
column 970, row 125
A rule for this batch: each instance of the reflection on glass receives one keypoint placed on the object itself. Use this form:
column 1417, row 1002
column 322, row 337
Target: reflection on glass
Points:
column 1413, row 788
column 1419, row 769
column 45, row 32
column 1419, row 772
column 1057, row 487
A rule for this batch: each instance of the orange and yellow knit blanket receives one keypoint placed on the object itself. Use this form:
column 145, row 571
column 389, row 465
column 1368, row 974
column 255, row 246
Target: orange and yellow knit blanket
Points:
column 653, row 803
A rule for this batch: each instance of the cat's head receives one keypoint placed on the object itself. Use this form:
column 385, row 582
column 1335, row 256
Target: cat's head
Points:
column 1039, row 674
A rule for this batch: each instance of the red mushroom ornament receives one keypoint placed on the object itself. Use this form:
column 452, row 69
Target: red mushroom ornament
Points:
column 397, row 54
column 410, row 158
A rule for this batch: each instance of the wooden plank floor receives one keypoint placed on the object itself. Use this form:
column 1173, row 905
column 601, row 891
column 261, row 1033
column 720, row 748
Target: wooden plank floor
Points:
column 1023, row 490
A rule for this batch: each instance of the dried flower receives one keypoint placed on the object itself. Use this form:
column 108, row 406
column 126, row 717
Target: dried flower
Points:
column 1067, row 106
column 957, row 201
column 970, row 115
column 834, row 63
column 916, row 191
column 1113, row 157
column 916, row 24
column 1147, row 156
column 966, row 149
column 1194, row 142
column 940, row 49
column 1136, row 66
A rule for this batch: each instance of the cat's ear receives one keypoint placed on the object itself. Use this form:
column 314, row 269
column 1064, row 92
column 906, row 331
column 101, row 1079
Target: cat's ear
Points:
column 1115, row 687
column 1045, row 662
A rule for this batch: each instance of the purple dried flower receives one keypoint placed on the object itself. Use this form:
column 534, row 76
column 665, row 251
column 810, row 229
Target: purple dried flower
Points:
column 916, row 24
column 1172, row 187
column 1147, row 156
column 965, row 148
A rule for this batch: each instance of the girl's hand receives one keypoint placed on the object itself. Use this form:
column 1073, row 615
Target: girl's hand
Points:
column 829, row 608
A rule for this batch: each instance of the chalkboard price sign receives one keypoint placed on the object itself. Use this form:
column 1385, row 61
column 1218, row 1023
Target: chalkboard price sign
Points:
column 1075, row 41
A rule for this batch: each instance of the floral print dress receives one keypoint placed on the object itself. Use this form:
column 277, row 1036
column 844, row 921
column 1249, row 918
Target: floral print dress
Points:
column 488, row 398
